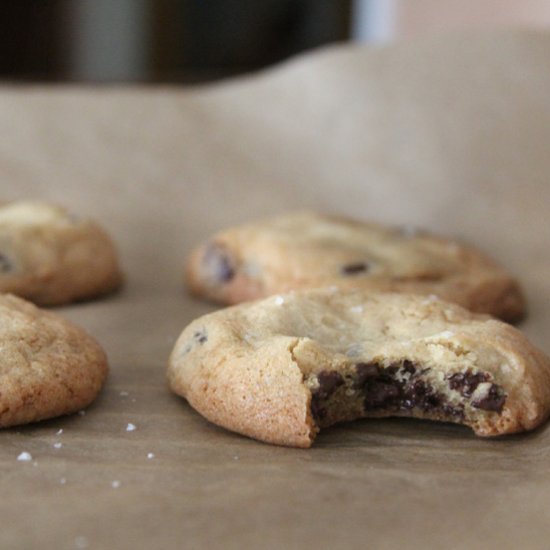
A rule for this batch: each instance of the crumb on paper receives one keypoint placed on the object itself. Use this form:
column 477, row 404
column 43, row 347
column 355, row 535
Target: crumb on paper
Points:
column 131, row 427
column 24, row 457
column 150, row 455
column 115, row 484
column 57, row 445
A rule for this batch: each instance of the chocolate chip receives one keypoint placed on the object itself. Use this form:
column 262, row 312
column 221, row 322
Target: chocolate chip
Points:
column 408, row 366
column 413, row 394
column 329, row 381
column 355, row 269
column 200, row 336
column 380, row 395
column 493, row 400
column 457, row 412
column 467, row 382
column 364, row 372
column 5, row 264
column 218, row 263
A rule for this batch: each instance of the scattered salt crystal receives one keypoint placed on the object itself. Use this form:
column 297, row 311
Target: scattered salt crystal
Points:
column 150, row 455
column 24, row 457
column 279, row 300
column 356, row 309
column 81, row 543
column 124, row 394
column 115, row 484
column 59, row 432
column 430, row 299
column 57, row 445
column 63, row 480
column 82, row 413
column 446, row 334
column 131, row 427
column 235, row 457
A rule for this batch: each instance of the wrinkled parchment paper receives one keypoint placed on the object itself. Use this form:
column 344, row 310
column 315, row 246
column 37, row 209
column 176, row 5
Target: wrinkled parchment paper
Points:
column 450, row 134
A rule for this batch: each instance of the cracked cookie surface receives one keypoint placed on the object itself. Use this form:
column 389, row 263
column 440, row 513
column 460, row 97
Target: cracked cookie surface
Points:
column 50, row 257
column 48, row 366
column 282, row 368
column 308, row 250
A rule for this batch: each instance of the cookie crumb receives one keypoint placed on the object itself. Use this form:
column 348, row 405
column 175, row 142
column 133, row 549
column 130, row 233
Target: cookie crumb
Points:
column 115, row 484
column 24, row 457
column 150, row 455
column 131, row 427
column 57, row 445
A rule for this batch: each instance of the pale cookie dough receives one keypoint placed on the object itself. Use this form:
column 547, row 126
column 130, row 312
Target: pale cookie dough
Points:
column 48, row 366
column 282, row 368
column 308, row 250
column 50, row 257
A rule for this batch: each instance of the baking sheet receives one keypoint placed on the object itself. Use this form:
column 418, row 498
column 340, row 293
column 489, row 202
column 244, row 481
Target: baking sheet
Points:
column 451, row 134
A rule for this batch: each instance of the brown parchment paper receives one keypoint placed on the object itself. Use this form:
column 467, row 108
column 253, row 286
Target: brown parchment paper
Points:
column 451, row 134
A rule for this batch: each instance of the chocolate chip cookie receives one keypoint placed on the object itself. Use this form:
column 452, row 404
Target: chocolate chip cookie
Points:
column 307, row 250
column 48, row 366
column 282, row 368
column 51, row 257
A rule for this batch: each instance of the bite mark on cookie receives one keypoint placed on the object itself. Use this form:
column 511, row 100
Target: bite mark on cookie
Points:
column 402, row 388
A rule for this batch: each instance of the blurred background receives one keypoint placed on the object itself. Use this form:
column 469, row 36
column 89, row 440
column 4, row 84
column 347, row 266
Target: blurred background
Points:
column 194, row 41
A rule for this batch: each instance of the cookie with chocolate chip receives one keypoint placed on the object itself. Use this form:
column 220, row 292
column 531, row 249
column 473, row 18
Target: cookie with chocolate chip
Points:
column 282, row 368
column 51, row 257
column 307, row 250
column 48, row 366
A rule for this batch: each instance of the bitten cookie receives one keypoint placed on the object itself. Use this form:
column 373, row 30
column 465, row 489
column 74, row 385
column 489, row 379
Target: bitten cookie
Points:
column 282, row 368
column 51, row 258
column 48, row 366
column 307, row 250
